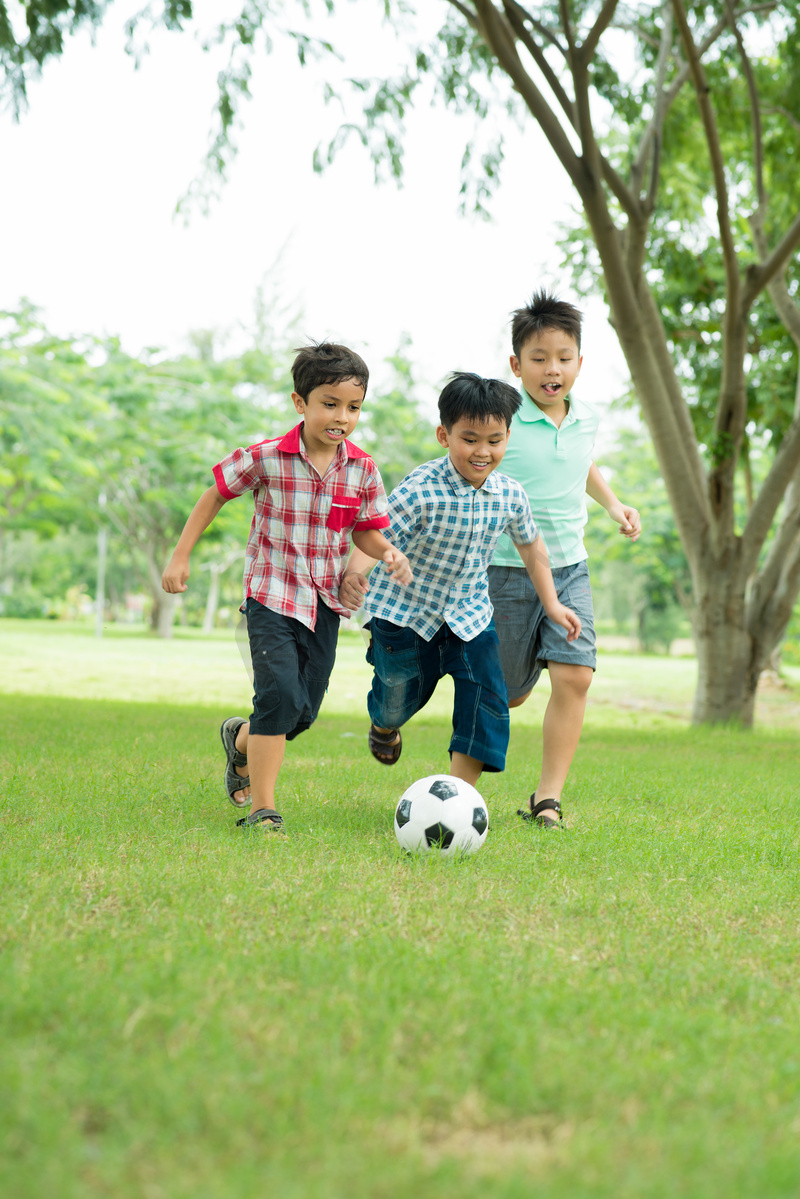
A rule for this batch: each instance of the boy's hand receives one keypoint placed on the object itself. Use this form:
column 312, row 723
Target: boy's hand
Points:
column 628, row 519
column 398, row 566
column 174, row 577
column 352, row 590
column 568, row 620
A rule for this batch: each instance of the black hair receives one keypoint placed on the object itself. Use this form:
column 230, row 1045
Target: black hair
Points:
column 469, row 397
column 324, row 362
column 544, row 312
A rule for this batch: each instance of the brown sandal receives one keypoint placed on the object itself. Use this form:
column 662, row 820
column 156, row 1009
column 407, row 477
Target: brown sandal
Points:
column 533, row 813
column 385, row 747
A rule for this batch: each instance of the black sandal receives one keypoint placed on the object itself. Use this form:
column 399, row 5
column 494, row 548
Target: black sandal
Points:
column 233, row 781
column 385, row 747
column 266, row 819
column 533, row 813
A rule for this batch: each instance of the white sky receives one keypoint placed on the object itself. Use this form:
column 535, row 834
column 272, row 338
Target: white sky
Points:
column 94, row 169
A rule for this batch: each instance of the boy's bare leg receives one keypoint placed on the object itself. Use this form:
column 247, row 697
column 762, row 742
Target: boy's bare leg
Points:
column 562, row 725
column 264, row 761
column 462, row 766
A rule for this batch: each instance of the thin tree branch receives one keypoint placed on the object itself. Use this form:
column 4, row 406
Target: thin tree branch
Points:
column 543, row 30
column 768, row 500
column 650, row 145
column 708, row 119
column 783, row 112
column 499, row 37
column 758, row 277
column 604, row 19
column 785, row 305
column 516, row 17
column 467, row 13
column 777, row 565
column 755, row 107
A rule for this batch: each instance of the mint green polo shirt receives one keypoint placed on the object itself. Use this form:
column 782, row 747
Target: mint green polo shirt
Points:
column 551, row 464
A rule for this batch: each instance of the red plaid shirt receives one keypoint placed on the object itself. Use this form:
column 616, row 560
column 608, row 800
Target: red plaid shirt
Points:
column 300, row 535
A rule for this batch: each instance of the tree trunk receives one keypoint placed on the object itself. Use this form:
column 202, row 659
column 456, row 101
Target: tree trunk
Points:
column 166, row 614
column 163, row 614
column 212, row 602
column 726, row 681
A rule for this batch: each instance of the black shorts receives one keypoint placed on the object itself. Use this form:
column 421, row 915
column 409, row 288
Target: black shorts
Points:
column 291, row 668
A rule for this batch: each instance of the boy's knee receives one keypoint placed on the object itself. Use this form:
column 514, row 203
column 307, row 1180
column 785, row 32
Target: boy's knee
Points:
column 570, row 678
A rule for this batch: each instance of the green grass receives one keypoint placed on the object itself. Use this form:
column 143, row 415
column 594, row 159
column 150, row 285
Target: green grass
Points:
column 185, row 1011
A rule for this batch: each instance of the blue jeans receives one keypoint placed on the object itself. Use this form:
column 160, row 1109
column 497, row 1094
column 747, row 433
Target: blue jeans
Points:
column 407, row 669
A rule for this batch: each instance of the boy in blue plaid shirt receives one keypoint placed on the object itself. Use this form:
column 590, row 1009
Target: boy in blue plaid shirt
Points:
column 446, row 517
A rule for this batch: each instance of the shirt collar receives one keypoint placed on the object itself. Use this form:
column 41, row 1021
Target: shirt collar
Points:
column 459, row 483
column 530, row 412
column 292, row 443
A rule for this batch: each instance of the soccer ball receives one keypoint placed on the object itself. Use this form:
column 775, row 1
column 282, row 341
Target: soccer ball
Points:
column 441, row 812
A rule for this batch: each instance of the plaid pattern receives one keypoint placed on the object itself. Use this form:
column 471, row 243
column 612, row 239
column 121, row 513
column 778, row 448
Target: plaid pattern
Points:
column 448, row 530
column 300, row 535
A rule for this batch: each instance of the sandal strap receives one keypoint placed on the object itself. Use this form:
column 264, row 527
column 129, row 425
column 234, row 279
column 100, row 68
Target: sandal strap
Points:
column 389, row 738
column 545, row 805
column 262, row 816
column 229, row 732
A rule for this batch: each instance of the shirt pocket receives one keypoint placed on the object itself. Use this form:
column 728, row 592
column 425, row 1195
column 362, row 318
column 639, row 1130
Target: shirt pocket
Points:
column 343, row 513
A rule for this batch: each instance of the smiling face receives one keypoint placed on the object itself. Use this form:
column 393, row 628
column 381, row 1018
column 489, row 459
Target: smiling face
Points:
column 476, row 447
column 548, row 365
column 330, row 414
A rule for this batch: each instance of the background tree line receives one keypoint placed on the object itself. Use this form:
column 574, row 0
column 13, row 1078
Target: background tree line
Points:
column 677, row 127
column 92, row 436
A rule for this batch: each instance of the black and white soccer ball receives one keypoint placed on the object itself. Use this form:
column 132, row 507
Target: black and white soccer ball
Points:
column 441, row 813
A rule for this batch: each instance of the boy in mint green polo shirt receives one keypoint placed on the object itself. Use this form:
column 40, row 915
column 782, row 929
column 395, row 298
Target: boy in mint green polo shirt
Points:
column 550, row 454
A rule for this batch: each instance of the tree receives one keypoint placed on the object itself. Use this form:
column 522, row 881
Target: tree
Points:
column 645, row 587
column 670, row 121
column 171, row 420
column 50, row 420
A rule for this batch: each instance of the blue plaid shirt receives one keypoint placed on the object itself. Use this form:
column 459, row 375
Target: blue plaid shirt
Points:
column 448, row 530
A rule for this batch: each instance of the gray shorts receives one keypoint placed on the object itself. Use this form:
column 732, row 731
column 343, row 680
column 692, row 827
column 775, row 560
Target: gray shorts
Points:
column 528, row 640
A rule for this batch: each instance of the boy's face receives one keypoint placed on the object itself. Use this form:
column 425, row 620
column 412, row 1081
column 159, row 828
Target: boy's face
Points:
column 330, row 412
column 476, row 447
column 548, row 365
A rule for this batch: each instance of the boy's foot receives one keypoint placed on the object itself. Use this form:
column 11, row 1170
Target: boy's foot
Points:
column 385, row 745
column 265, row 819
column 235, row 781
column 535, row 813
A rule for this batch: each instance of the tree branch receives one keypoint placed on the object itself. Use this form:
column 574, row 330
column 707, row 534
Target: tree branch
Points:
column 786, row 308
column 516, row 17
column 467, row 13
column 650, row 145
column 543, row 30
column 758, row 277
column 604, row 19
column 767, row 502
column 755, row 107
column 499, row 37
column 708, row 119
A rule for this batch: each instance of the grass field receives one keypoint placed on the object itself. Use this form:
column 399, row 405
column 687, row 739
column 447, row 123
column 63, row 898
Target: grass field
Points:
column 612, row 1012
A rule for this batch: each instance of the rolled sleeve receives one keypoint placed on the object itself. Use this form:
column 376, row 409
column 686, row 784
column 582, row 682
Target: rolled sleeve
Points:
column 522, row 527
column 237, row 473
column 374, row 510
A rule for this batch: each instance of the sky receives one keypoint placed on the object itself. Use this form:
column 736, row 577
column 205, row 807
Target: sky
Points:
column 96, row 166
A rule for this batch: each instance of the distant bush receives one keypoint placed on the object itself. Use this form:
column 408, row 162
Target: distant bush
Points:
column 25, row 605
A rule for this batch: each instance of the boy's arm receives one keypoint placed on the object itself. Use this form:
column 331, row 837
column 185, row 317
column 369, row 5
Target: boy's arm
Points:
column 537, row 564
column 354, row 585
column 628, row 519
column 370, row 547
column 207, row 507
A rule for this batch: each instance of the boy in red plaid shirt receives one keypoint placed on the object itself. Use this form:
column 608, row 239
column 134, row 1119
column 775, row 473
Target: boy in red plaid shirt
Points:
column 313, row 490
